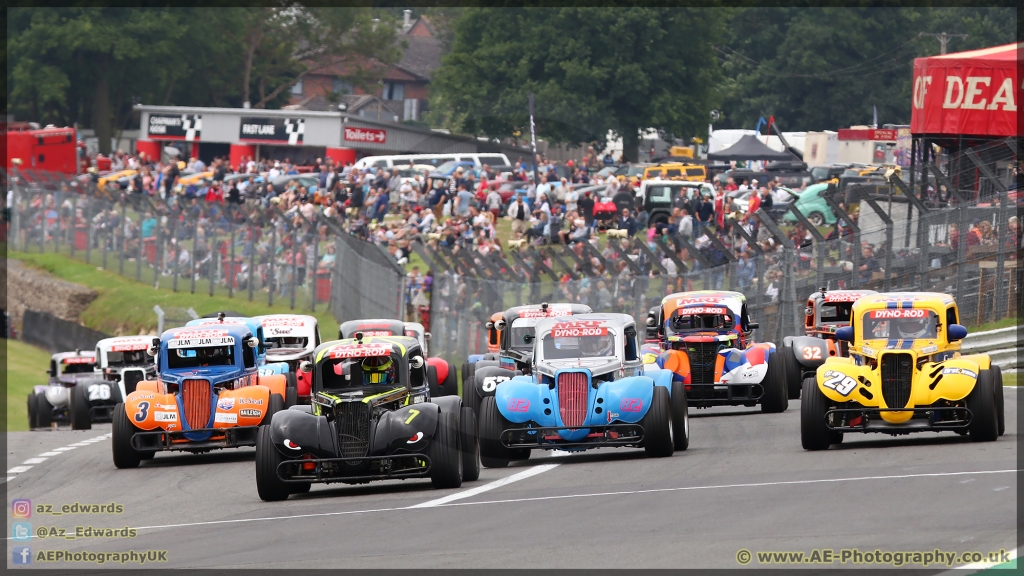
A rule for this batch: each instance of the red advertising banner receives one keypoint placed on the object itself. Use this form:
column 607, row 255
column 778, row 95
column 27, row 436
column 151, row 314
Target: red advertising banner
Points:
column 367, row 135
column 971, row 93
column 888, row 135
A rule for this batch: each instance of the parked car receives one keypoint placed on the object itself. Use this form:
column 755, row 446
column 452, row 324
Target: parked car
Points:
column 810, row 203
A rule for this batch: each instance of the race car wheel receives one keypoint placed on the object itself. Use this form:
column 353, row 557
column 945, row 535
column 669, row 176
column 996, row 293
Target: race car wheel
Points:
column 814, row 433
column 997, row 391
column 469, row 395
column 445, row 455
column 122, row 430
column 657, row 423
column 680, row 417
column 291, row 390
column 984, row 426
column 268, row 457
column 817, row 219
column 451, row 383
column 776, row 393
column 432, row 382
column 299, row 487
column 467, row 372
column 78, row 406
column 32, row 411
column 275, row 405
column 470, row 445
column 492, row 453
column 517, row 454
column 44, row 411
column 794, row 381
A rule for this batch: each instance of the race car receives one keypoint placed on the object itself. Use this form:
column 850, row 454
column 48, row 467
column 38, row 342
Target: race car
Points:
column 493, row 349
column 447, row 386
column 48, row 403
column 826, row 311
column 209, row 395
column 291, row 338
column 440, row 377
column 904, row 374
column 122, row 363
column 515, row 348
column 588, row 390
column 267, row 367
column 708, row 341
column 371, row 419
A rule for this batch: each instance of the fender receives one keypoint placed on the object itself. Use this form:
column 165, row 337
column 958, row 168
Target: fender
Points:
column 811, row 352
column 441, row 366
column 984, row 361
column 474, row 358
column 626, row 400
column 788, row 340
column 484, row 363
column 520, row 400
column 312, row 433
column 677, row 362
column 150, row 386
column 276, row 383
column 408, row 429
column 840, row 380
column 661, row 377
column 303, row 383
column 242, row 406
column 153, row 411
column 487, row 378
column 954, row 379
column 274, row 368
column 449, row 404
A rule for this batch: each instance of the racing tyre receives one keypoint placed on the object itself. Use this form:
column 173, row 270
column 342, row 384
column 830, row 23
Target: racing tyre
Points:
column 432, row 381
column 814, row 433
column 776, row 393
column 268, row 457
column 469, row 395
column 122, row 430
column 997, row 391
column 517, row 454
column 78, row 406
column 794, row 382
column 680, row 417
column 657, row 423
column 470, row 445
column 445, row 455
column 291, row 390
column 299, row 487
column 44, row 411
column 451, row 383
column 32, row 411
column 275, row 405
column 984, row 426
column 492, row 453
column 467, row 372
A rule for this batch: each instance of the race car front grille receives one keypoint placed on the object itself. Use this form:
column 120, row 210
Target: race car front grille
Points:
column 572, row 398
column 702, row 356
column 353, row 422
column 132, row 379
column 195, row 396
column 897, row 374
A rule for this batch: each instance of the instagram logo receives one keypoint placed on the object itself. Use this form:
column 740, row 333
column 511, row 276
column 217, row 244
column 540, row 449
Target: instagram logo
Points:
column 21, row 508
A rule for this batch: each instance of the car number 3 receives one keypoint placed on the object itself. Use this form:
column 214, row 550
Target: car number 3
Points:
column 490, row 383
column 140, row 416
column 812, row 353
column 99, row 392
column 839, row 382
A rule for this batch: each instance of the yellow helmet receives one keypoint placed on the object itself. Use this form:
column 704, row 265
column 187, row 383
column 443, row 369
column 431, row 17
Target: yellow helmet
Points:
column 378, row 370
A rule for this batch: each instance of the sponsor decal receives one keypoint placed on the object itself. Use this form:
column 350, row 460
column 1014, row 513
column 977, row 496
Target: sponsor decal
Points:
column 279, row 331
column 518, row 405
column 748, row 374
column 612, row 416
column 377, row 333
column 897, row 313
column 83, row 360
column 631, row 404
column 551, row 312
column 930, row 349
column 250, row 412
column 226, row 418
column 576, row 329
column 128, row 345
column 201, row 342
column 165, row 416
column 253, row 401
column 960, row 371
column 359, row 350
column 143, row 396
column 186, row 127
column 224, row 322
column 225, row 403
column 868, row 351
column 842, row 296
column 704, row 310
column 291, row 445
column 166, row 406
column 839, row 382
column 283, row 322
column 367, row 135
column 415, row 439
column 284, row 130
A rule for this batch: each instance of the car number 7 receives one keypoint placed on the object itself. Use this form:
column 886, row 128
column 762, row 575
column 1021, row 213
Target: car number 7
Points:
column 412, row 414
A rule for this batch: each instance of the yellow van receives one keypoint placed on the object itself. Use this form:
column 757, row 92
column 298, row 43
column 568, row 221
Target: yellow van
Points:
column 676, row 171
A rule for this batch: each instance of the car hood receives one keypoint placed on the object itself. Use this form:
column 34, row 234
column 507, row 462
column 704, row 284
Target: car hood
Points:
column 214, row 374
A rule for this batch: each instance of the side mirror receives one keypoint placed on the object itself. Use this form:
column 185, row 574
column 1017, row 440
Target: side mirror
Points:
column 845, row 334
column 651, row 321
column 426, row 335
column 416, row 362
column 956, row 332
column 305, row 366
column 49, row 372
column 500, row 324
column 753, row 325
column 489, row 325
column 527, row 338
column 253, row 341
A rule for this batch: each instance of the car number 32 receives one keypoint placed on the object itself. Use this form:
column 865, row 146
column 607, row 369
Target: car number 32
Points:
column 99, row 392
column 839, row 382
column 490, row 384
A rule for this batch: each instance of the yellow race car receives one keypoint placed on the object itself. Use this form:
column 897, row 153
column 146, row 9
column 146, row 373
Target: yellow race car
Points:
column 904, row 374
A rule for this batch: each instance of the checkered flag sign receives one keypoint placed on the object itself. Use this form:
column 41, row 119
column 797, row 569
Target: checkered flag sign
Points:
column 192, row 124
column 294, row 128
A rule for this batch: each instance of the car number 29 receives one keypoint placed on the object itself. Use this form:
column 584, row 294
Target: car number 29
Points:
column 490, row 384
column 99, row 392
column 839, row 382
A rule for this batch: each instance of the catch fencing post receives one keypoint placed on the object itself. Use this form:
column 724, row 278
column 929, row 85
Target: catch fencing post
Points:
column 829, row 197
column 998, row 225
column 251, row 282
column 214, row 251
column 192, row 259
column 787, row 292
column 819, row 244
column 273, row 255
column 121, row 223
column 159, row 319
column 865, row 197
column 295, row 270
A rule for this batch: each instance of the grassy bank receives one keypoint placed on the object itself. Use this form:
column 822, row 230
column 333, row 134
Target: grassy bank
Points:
column 26, row 367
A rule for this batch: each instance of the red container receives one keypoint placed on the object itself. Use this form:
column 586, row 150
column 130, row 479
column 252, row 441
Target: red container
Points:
column 149, row 244
column 323, row 287
column 81, row 238
column 231, row 270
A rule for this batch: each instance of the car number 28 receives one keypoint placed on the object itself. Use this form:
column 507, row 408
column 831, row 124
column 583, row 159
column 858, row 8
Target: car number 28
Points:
column 99, row 392
column 490, row 384
column 839, row 382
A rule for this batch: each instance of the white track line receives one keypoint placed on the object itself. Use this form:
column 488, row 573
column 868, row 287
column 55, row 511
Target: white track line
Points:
column 27, row 464
column 532, row 471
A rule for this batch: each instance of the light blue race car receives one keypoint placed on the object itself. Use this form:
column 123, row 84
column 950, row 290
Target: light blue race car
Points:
column 588, row 390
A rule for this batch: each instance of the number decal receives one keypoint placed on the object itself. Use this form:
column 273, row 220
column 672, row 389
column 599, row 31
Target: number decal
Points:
column 99, row 392
column 412, row 414
column 490, row 384
column 812, row 353
column 143, row 411
column 839, row 382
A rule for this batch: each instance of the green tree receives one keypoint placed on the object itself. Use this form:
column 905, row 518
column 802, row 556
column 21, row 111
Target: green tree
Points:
column 593, row 70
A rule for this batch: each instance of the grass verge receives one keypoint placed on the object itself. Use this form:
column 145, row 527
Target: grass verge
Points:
column 26, row 367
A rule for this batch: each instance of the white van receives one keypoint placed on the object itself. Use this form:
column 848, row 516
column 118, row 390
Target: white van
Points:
column 436, row 160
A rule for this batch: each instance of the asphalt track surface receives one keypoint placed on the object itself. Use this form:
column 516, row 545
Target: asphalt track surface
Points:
column 744, row 483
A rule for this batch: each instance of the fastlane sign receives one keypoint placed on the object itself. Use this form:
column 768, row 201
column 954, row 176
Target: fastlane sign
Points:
column 272, row 130
column 175, row 127
column 366, row 135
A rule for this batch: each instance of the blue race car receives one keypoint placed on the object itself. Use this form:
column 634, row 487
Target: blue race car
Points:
column 588, row 389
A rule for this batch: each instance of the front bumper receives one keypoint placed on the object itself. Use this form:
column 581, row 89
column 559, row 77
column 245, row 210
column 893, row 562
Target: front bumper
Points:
column 705, row 395
column 358, row 469
column 176, row 441
column 954, row 418
column 607, row 436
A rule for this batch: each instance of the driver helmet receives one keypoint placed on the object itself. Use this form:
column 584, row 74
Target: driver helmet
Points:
column 378, row 370
column 596, row 345
column 912, row 327
column 290, row 341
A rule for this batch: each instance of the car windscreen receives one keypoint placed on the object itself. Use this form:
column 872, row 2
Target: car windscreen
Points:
column 836, row 312
column 521, row 333
column 342, row 373
column 132, row 358
column 569, row 347
column 286, row 342
column 200, row 357
column 900, row 324
column 820, row 172
column 683, row 320
column 448, row 166
column 78, row 368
